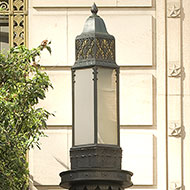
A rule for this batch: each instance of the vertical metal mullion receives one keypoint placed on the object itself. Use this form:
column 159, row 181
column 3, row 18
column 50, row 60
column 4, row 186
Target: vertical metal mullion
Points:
column 10, row 23
column 117, row 102
column 95, row 72
column 73, row 105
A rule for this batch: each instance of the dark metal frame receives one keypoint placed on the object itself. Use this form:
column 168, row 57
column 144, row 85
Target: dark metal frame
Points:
column 95, row 166
column 95, row 78
column 73, row 103
column 118, row 112
column 95, row 73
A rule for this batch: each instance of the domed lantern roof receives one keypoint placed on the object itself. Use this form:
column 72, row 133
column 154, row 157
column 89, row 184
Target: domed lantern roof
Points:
column 95, row 46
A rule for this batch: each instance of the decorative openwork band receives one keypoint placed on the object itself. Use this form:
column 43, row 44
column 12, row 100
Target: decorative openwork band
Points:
column 95, row 48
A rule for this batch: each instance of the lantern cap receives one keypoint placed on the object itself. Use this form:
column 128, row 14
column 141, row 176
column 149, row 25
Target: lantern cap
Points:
column 95, row 46
column 94, row 24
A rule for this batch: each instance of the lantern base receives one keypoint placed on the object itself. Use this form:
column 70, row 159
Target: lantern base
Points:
column 96, row 156
column 90, row 179
column 96, row 166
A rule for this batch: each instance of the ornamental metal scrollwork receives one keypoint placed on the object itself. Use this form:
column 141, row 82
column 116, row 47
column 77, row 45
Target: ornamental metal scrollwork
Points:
column 18, row 30
column 84, row 48
column 18, row 5
column 4, row 6
column 16, row 11
column 105, row 49
column 100, row 49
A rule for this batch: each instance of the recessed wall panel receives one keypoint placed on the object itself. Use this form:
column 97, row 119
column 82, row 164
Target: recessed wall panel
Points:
column 134, row 38
column 58, row 99
column 133, row 34
column 138, row 156
column 135, row 3
column 52, row 158
column 52, row 26
column 74, row 3
column 136, row 99
column 76, row 21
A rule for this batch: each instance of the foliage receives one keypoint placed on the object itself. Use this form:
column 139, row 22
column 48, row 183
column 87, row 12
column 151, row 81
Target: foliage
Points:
column 22, row 84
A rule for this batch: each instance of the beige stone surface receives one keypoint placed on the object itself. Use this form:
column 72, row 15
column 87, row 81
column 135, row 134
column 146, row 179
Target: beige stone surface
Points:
column 175, row 145
column 135, row 3
column 136, row 99
column 74, row 3
column 134, row 38
column 78, row 16
column 52, row 158
column 173, row 39
column 174, row 83
column 174, row 160
column 174, row 108
column 138, row 155
column 58, row 99
column 186, row 90
column 49, row 25
column 45, row 24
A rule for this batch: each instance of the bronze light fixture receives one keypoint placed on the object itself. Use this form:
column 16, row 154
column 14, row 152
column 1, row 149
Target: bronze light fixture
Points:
column 95, row 153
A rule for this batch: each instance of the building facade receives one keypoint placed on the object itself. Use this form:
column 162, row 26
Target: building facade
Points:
column 153, row 52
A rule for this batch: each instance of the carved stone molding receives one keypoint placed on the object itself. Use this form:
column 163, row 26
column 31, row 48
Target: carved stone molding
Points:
column 175, row 71
column 175, row 130
column 174, row 11
column 175, row 186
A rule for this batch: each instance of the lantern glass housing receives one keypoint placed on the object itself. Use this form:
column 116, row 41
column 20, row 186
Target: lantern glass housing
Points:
column 95, row 154
column 95, row 86
column 107, row 106
column 84, row 107
column 95, row 106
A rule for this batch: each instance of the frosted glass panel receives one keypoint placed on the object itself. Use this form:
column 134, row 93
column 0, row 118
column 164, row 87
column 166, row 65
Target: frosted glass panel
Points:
column 107, row 109
column 84, row 107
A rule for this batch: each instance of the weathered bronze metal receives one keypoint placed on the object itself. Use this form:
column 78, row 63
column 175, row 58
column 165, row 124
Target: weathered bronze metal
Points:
column 96, row 156
column 95, row 47
column 95, row 166
column 17, row 12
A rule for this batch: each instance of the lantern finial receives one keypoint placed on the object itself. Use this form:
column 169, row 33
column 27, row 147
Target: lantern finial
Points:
column 94, row 9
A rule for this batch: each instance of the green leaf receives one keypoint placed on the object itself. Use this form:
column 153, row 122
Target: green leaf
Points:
column 49, row 49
